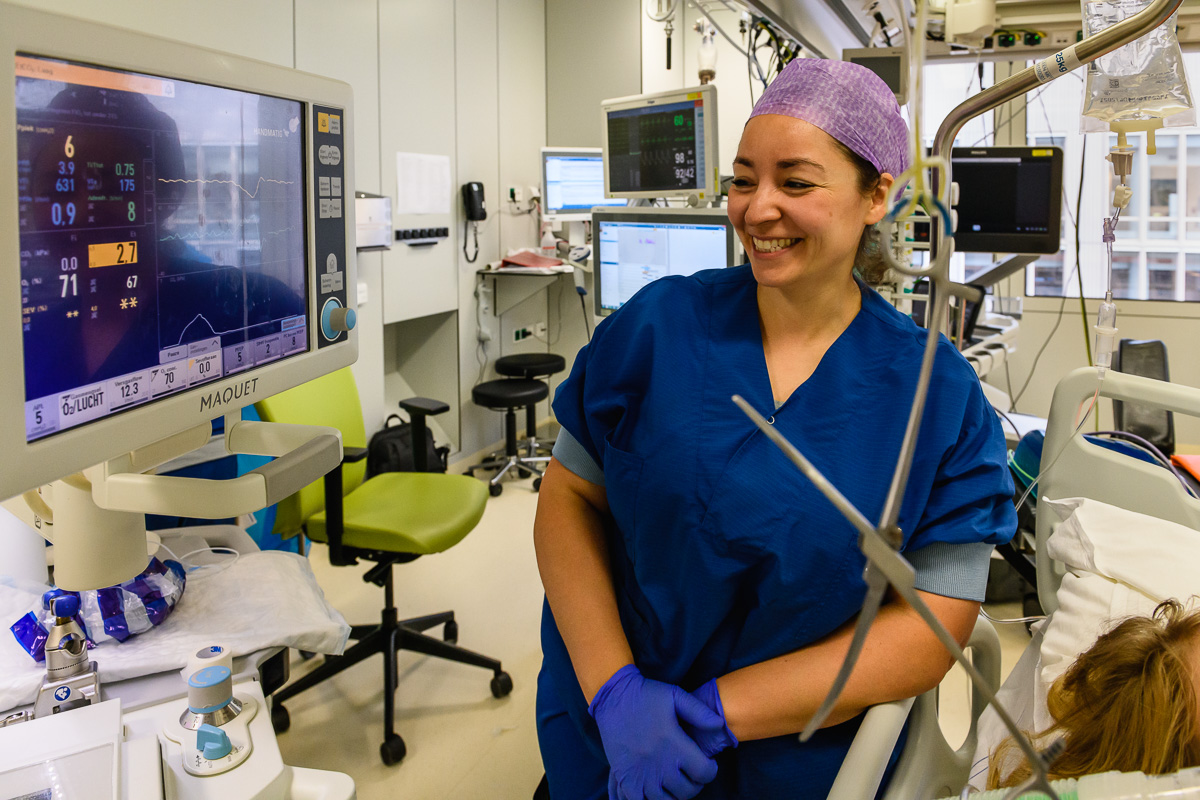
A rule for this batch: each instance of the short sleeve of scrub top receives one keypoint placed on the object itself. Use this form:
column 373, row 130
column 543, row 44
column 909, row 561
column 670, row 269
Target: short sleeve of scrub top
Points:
column 950, row 570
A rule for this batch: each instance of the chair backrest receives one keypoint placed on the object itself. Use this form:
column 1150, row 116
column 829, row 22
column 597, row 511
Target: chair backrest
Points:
column 1147, row 358
column 328, row 400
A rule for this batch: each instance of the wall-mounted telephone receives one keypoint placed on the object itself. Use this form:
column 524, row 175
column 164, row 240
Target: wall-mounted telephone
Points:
column 472, row 194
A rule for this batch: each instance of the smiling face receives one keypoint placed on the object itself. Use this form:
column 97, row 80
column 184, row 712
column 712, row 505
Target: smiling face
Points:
column 798, row 204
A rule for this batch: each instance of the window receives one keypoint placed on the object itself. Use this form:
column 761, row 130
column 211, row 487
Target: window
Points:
column 944, row 86
column 1191, row 276
column 1157, row 252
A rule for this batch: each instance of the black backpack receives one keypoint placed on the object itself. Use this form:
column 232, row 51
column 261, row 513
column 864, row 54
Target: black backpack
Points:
column 391, row 449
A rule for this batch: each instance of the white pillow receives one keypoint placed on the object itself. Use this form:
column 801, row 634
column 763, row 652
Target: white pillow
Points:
column 1121, row 564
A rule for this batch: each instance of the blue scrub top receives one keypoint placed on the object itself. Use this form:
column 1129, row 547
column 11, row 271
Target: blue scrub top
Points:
column 723, row 554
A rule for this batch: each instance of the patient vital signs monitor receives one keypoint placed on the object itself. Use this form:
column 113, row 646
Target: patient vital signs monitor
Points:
column 662, row 145
column 573, row 183
column 176, row 238
column 1010, row 199
column 637, row 246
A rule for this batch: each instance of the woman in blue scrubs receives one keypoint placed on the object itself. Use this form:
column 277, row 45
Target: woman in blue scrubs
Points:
column 701, row 593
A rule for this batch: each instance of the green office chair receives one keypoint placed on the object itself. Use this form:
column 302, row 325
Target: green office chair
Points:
column 391, row 518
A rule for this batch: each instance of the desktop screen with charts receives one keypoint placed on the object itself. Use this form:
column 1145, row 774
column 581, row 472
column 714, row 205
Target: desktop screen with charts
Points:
column 162, row 237
column 657, row 148
column 575, row 183
column 632, row 254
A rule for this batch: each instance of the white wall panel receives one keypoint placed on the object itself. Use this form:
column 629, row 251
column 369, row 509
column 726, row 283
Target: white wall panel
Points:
column 261, row 29
column 345, row 46
column 593, row 52
column 477, row 58
column 521, row 80
column 417, row 115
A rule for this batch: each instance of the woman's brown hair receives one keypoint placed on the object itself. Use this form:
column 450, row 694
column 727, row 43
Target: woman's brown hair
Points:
column 869, row 263
column 1128, row 703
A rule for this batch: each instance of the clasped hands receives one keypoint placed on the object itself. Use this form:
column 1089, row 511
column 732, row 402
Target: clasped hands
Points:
column 659, row 739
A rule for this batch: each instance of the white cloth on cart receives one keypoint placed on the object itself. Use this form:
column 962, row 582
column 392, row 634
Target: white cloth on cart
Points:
column 264, row 599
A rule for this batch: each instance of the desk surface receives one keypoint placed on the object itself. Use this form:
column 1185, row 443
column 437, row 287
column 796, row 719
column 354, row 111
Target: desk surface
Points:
column 565, row 269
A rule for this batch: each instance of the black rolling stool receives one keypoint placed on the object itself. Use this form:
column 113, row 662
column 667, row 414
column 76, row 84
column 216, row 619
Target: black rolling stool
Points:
column 532, row 365
column 507, row 395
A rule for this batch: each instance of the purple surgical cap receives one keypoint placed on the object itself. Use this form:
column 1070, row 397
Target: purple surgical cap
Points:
column 847, row 101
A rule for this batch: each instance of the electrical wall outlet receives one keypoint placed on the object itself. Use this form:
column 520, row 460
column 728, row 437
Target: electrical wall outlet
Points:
column 1062, row 38
column 516, row 194
column 539, row 329
column 521, row 334
column 535, row 193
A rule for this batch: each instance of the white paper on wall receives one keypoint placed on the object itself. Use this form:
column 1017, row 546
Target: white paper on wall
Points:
column 422, row 184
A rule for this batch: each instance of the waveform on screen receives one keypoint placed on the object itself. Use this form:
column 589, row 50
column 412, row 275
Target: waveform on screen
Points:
column 248, row 193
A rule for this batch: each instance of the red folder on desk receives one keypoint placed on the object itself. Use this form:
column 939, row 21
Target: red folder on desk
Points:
column 530, row 260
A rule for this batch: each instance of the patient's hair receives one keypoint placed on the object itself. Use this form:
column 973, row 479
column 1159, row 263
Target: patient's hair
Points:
column 1129, row 703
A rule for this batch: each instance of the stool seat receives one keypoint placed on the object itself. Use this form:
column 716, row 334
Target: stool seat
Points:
column 509, row 393
column 530, row 365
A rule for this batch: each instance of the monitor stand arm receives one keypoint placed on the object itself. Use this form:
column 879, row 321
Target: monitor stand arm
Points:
column 96, row 519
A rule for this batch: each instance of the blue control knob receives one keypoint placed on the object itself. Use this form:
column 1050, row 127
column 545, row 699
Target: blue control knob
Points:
column 213, row 742
column 335, row 318
column 65, row 605
column 210, row 689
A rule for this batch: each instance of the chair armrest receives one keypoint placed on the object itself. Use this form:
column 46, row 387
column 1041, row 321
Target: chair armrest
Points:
column 334, row 524
column 418, row 408
column 351, row 455
column 424, row 406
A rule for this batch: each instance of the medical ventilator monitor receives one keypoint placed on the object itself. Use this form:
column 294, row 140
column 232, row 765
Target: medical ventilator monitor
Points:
column 573, row 183
column 889, row 63
column 1009, row 199
column 637, row 246
column 662, row 145
column 176, row 239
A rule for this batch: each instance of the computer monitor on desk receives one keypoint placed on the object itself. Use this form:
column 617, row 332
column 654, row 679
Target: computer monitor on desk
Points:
column 636, row 246
column 573, row 183
column 176, row 238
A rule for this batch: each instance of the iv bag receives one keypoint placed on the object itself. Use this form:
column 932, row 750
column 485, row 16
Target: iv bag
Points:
column 1142, row 80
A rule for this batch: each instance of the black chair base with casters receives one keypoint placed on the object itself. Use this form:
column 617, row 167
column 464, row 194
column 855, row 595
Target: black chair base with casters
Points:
column 532, row 366
column 389, row 637
column 508, row 395
column 391, row 518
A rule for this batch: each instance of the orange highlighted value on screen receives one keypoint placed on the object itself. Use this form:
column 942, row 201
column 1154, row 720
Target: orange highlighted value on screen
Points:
column 112, row 254
column 47, row 70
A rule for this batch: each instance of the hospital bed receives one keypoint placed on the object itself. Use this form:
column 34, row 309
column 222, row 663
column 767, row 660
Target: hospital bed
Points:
column 928, row 767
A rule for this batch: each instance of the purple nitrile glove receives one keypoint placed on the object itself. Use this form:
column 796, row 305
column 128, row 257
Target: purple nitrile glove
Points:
column 712, row 741
column 649, row 754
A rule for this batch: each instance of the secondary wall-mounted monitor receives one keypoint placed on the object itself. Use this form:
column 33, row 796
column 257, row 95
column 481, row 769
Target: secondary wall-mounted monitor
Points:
column 1009, row 199
column 176, row 238
column 573, row 183
column 636, row 246
column 889, row 63
column 662, row 145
